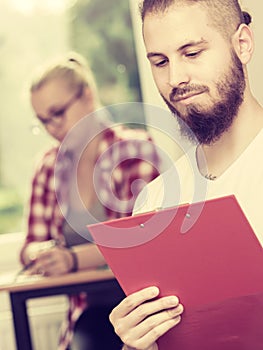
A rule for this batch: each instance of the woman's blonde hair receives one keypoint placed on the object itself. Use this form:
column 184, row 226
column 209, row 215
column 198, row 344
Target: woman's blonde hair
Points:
column 73, row 69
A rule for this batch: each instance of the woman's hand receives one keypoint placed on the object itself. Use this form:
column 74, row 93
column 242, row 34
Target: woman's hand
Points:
column 140, row 319
column 53, row 262
column 48, row 258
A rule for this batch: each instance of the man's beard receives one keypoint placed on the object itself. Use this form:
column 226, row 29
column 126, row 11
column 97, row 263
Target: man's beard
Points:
column 207, row 125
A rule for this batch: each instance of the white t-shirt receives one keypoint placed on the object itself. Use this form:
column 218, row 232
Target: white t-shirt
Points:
column 183, row 183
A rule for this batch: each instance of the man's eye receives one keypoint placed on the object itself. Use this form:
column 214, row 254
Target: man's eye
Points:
column 193, row 54
column 161, row 63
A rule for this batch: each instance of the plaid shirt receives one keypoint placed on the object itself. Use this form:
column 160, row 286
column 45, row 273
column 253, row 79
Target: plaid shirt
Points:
column 136, row 157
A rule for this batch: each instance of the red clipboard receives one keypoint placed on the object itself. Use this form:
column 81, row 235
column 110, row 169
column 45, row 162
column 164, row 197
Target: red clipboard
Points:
column 215, row 268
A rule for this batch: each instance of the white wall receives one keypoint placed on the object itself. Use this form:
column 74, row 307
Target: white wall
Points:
column 255, row 7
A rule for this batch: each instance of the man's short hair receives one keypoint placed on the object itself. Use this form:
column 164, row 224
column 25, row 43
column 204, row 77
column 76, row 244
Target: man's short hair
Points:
column 225, row 15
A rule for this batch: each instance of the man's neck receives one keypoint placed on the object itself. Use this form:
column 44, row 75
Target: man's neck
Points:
column 221, row 154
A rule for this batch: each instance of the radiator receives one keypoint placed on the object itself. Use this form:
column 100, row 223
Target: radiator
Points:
column 45, row 317
column 45, row 321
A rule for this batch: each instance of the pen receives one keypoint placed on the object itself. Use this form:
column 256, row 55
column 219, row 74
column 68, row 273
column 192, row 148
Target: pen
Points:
column 24, row 268
column 45, row 246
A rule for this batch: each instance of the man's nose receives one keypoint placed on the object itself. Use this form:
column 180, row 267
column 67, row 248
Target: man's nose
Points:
column 178, row 75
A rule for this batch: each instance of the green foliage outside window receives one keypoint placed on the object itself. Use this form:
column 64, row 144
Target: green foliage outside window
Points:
column 102, row 31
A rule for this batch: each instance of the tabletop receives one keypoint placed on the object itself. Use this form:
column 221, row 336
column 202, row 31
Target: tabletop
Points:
column 23, row 283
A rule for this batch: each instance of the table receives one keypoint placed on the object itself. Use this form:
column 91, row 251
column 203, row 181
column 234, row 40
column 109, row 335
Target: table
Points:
column 93, row 282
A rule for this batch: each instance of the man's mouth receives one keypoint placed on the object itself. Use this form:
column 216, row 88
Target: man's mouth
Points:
column 185, row 97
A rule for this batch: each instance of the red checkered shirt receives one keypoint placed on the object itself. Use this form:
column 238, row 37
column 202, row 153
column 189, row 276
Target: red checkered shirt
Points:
column 136, row 157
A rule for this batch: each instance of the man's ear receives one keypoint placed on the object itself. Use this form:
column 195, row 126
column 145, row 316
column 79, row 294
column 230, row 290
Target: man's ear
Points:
column 243, row 43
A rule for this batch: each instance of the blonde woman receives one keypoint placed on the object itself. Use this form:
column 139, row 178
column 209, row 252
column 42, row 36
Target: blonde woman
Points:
column 62, row 95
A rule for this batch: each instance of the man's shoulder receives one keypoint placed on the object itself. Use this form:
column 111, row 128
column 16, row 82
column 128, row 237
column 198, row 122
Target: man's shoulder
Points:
column 165, row 190
column 154, row 194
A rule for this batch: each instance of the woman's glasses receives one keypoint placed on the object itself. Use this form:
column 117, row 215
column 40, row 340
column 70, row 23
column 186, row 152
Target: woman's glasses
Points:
column 57, row 115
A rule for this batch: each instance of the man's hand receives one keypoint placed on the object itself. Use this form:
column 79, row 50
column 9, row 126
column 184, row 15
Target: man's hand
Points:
column 140, row 319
